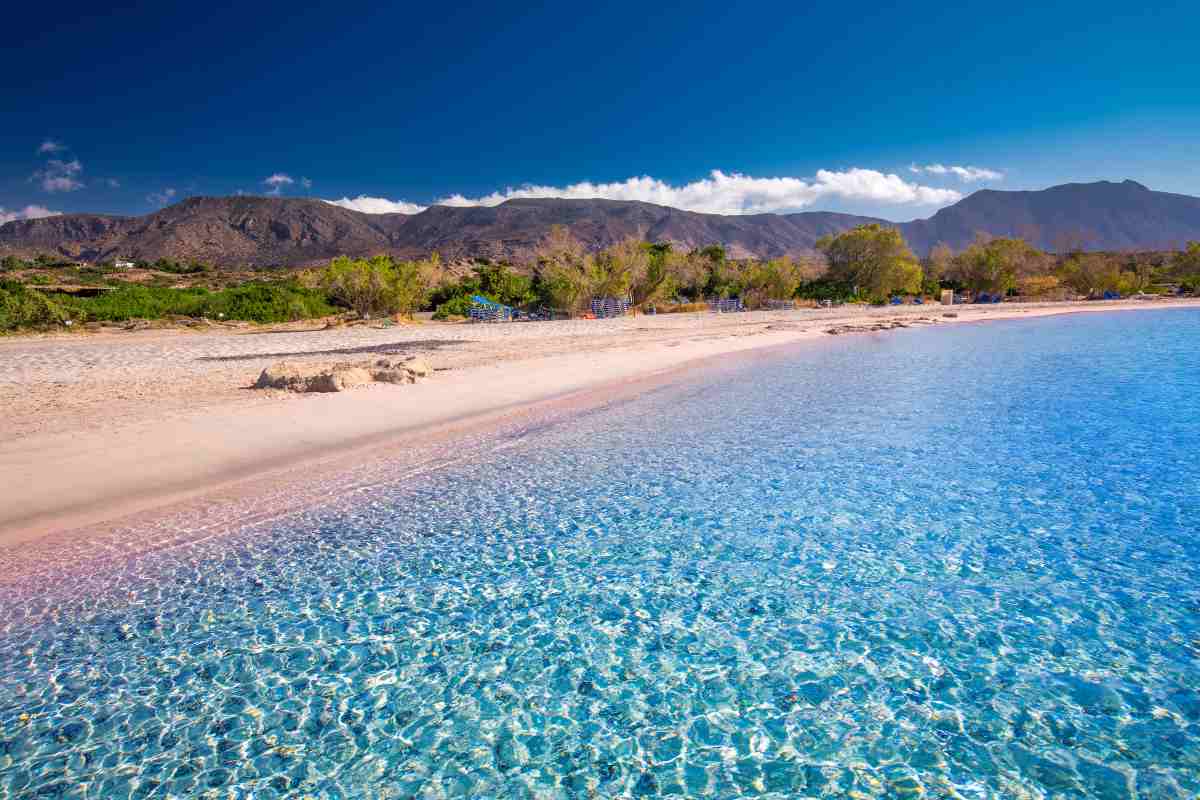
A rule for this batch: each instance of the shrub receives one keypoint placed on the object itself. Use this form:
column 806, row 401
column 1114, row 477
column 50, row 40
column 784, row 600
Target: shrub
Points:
column 825, row 289
column 265, row 302
column 996, row 265
column 496, row 282
column 777, row 279
column 458, row 306
column 1038, row 285
column 681, row 308
column 135, row 302
column 379, row 285
column 252, row 302
column 25, row 308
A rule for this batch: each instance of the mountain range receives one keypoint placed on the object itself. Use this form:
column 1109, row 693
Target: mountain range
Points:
column 261, row 231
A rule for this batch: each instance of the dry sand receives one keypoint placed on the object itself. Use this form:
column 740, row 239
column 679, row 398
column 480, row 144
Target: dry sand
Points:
column 97, row 427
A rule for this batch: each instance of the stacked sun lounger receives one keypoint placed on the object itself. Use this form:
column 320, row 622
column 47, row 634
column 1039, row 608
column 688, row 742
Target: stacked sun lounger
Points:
column 725, row 305
column 484, row 310
column 608, row 307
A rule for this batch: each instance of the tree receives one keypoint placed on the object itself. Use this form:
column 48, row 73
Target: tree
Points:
column 410, row 282
column 616, row 269
column 1095, row 273
column 659, row 279
column 1185, row 266
column 689, row 273
column 776, row 279
column 379, row 285
column 564, row 271
column 937, row 267
column 1038, row 285
column 873, row 258
column 996, row 264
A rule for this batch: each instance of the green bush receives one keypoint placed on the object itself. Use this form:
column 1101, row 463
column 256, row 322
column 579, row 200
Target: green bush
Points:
column 135, row 302
column 266, row 302
column 27, row 308
column 825, row 289
column 379, row 286
column 251, row 302
column 496, row 282
column 458, row 306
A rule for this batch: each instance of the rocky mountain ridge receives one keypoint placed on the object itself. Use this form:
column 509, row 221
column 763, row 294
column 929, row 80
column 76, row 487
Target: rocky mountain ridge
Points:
column 263, row 231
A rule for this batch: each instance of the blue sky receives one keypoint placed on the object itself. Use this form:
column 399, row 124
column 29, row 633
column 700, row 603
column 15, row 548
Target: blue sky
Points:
column 713, row 106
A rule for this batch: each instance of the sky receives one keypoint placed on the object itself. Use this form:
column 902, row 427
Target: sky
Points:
column 893, row 111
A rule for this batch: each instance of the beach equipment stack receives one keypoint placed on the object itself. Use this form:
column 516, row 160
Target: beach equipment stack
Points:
column 608, row 307
column 725, row 305
column 484, row 310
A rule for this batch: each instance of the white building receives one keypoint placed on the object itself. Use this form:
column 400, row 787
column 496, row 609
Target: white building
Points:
column 119, row 264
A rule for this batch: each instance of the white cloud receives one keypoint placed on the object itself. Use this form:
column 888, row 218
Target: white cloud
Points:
column 306, row 183
column 377, row 205
column 964, row 174
column 60, row 176
column 28, row 212
column 161, row 198
column 112, row 183
column 51, row 146
column 720, row 193
column 277, row 182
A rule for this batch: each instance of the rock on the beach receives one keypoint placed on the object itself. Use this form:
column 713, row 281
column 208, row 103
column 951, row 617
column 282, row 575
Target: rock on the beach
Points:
column 313, row 377
column 418, row 367
column 296, row 377
column 406, row 370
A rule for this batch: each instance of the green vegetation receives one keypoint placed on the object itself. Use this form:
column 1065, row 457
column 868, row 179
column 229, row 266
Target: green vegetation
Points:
column 22, row 307
column 1096, row 273
column 873, row 260
column 379, row 286
column 496, row 282
column 869, row 263
column 995, row 265
column 26, row 308
column 1185, row 266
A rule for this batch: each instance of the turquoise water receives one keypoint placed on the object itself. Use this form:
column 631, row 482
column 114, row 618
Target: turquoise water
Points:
column 958, row 563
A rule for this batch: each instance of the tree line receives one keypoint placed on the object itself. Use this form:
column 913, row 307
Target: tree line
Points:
column 869, row 263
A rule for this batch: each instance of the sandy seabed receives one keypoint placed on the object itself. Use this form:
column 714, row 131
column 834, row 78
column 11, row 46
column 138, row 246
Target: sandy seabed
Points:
column 100, row 429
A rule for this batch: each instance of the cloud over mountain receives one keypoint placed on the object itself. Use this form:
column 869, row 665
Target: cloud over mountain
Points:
column 719, row 193
column 377, row 205
column 964, row 174
column 28, row 212
column 277, row 181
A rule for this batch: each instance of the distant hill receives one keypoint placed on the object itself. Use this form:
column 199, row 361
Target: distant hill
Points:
column 1096, row 216
column 260, row 231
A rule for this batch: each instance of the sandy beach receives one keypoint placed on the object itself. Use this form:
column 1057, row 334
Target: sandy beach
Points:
column 99, row 427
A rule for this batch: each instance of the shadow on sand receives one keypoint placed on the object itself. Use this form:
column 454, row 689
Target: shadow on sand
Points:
column 391, row 348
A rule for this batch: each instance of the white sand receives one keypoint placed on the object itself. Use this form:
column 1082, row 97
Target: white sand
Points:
column 99, row 427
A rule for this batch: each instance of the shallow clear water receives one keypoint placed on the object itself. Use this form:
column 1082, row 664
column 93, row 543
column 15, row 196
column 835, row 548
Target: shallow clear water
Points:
column 960, row 563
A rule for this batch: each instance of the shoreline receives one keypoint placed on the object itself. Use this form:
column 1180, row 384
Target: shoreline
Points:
column 67, row 482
